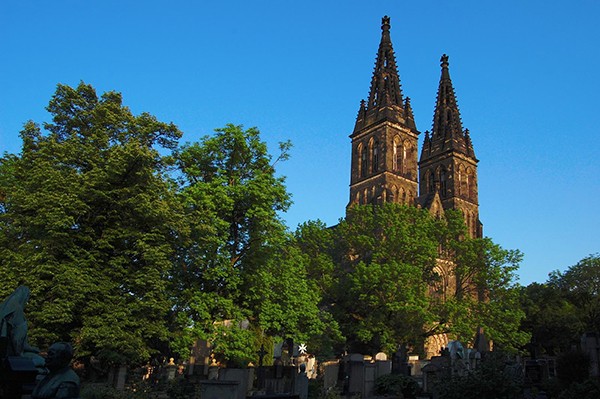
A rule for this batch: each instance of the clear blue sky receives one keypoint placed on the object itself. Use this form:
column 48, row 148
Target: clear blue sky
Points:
column 525, row 73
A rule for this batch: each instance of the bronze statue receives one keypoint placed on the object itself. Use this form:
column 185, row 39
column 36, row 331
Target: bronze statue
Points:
column 13, row 326
column 61, row 382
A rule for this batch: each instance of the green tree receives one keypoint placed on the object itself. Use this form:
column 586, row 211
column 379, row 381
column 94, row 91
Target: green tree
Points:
column 386, row 256
column 486, row 293
column 238, row 262
column 555, row 323
column 580, row 284
column 89, row 218
column 393, row 274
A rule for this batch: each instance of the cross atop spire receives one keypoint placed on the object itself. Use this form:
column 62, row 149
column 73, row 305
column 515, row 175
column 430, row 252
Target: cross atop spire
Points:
column 447, row 132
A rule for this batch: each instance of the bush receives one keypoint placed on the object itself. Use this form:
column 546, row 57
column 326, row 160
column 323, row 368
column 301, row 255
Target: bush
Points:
column 396, row 384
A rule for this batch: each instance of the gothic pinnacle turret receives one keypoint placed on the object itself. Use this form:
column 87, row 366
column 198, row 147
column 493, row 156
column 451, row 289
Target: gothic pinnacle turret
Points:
column 385, row 101
column 447, row 133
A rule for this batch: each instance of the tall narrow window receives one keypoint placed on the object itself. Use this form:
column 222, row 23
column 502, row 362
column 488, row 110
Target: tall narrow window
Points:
column 430, row 182
column 375, row 156
column 395, row 157
column 363, row 162
column 443, row 185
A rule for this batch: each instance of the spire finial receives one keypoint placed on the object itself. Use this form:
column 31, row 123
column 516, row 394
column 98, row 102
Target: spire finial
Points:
column 385, row 23
column 444, row 61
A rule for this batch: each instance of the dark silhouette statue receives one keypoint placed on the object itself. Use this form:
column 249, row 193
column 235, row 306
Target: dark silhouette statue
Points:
column 13, row 326
column 61, row 382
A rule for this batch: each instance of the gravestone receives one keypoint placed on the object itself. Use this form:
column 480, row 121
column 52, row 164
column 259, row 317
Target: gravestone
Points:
column 383, row 367
column 369, row 376
column 400, row 361
column 356, row 373
column 243, row 378
column 331, row 371
column 121, row 378
column 212, row 389
column 301, row 383
column 590, row 345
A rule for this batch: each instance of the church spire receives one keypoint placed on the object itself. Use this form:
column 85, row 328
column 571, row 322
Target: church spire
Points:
column 385, row 84
column 385, row 101
column 385, row 138
column 447, row 132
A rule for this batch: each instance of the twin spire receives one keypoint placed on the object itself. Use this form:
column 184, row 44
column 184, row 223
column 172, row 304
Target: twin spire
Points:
column 447, row 133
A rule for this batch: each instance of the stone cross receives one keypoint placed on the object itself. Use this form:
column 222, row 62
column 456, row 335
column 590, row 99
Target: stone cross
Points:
column 261, row 354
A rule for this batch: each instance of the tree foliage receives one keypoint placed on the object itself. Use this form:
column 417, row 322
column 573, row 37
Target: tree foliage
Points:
column 393, row 274
column 88, row 217
column 567, row 305
column 131, row 243
column 238, row 261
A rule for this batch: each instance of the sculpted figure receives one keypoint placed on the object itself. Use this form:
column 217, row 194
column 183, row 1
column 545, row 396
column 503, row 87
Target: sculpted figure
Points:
column 13, row 326
column 61, row 382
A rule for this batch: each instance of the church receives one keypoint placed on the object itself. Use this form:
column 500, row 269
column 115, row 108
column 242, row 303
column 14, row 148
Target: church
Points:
column 385, row 165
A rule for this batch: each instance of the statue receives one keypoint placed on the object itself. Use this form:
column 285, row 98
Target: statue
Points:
column 13, row 326
column 61, row 382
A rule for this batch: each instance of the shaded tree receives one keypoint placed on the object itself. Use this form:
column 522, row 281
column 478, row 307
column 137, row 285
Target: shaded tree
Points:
column 89, row 216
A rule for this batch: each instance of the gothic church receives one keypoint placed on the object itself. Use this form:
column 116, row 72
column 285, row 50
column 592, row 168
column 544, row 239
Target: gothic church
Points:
column 385, row 141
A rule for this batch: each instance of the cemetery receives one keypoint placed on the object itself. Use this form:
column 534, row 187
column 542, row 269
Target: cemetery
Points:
column 288, row 371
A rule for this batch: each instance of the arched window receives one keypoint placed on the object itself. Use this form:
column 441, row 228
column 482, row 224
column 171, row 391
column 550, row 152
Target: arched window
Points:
column 395, row 167
column 361, row 160
column 430, row 182
column 443, row 183
column 460, row 180
column 375, row 156
column 470, row 183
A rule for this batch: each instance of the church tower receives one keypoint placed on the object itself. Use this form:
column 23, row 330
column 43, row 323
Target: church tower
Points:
column 448, row 166
column 384, row 140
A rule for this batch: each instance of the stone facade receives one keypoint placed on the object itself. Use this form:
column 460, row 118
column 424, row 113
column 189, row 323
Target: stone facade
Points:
column 384, row 165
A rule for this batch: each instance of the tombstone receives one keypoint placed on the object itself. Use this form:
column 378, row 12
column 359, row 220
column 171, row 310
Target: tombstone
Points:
column 590, row 345
column 437, row 368
column 242, row 377
column 261, row 372
column 301, row 383
column 369, row 376
column 383, row 367
column 121, row 378
column 356, row 373
column 200, row 358
column 212, row 389
column 533, row 373
column 277, row 350
column 415, row 365
column 400, row 361
column 331, row 371
column 213, row 370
